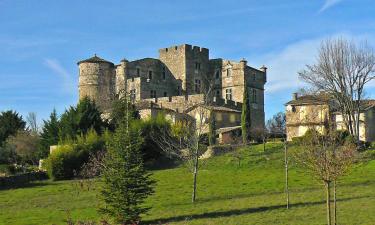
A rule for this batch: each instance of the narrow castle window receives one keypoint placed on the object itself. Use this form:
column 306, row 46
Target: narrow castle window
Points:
column 228, row 94
column 197, row 66
column 150, row 74
column 254, row 96
column 164, row 73
column 132, row 94
column 197, row 86
column 217, row 74
column 229, row 72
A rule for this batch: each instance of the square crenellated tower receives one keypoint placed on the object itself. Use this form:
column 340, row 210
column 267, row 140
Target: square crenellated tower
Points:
column 187, row 63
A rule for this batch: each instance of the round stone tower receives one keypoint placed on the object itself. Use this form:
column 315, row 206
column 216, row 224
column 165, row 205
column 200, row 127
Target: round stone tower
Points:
column 97, row 81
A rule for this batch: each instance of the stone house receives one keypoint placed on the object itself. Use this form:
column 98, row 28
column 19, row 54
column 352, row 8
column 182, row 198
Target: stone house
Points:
column 366, row 121
column 320, row 112
column 182, row 76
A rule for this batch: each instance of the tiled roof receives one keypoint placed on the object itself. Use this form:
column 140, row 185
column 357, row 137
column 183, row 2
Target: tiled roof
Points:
column 227, row 129
column 226, row 109
column 310, row 100
column 94, row 59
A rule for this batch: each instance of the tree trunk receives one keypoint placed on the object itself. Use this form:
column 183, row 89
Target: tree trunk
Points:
column 328, row 201
column 264, row 144
column 334, row 204
column 195, row 173
column 286, row 176
column 357, row 124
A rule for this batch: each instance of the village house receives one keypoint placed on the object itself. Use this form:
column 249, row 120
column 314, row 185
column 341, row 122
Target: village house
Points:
column 320, row 112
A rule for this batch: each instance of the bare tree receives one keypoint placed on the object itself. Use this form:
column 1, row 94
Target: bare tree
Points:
column 184, row 139
column 32, row 122
column 276, row 126
column 343, row 69
column 327, row 158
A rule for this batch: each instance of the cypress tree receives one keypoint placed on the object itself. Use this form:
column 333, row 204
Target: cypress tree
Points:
column 126, row 183
column 212, row 129
column 245, row 116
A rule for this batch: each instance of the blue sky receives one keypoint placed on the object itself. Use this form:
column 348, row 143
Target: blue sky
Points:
column 41, row 40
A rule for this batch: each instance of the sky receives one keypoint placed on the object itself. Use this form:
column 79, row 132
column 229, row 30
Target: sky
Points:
column 41, row 40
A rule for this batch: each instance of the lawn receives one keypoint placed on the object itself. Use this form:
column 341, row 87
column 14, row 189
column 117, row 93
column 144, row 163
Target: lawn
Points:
column 251, row 193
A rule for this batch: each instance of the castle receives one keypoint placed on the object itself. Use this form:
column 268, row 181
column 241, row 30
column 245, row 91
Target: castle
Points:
column 181, row 75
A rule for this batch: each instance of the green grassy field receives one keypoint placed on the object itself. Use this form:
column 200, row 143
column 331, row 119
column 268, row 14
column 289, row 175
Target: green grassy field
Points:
column 227, row 194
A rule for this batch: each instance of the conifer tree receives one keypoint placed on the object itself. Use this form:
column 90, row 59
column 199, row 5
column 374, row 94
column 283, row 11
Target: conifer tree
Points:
column 50, row 134
column 126, row 183
column 245, row 116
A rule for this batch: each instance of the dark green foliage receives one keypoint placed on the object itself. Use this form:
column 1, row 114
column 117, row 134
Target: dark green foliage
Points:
column 49, row 135
column 78, row 120
column 150, row 150
column 66, row 161
column 119, row 107
column 10, row 123
column 126, row 183
column 212, row 129
column 245, row 117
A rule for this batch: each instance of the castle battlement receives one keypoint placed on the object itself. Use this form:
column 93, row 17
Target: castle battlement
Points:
column 175, row 81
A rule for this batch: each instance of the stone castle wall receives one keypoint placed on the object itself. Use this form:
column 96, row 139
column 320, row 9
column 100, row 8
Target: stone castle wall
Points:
column 97, row 81
column 175, row 80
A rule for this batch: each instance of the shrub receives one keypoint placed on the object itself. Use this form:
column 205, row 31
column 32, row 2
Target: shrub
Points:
column 66, row 161
column 152, row 126
column 62, row 163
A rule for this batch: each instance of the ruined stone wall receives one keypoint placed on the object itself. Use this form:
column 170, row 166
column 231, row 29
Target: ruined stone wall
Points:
column 97, row 81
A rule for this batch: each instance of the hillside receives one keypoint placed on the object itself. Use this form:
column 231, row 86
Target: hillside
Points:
column 228, row 193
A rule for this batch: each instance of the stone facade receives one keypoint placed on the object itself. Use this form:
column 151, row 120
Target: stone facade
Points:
column 320, row 112
column 176, row 80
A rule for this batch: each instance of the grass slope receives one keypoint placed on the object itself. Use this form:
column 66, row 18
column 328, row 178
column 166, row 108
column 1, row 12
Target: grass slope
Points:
column 227, row 194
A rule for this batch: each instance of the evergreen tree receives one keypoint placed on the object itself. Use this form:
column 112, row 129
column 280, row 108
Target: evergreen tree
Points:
column 212, row 129
column 78, row 120
column 10, row 123
column 126, row 183
column 245, row 117
column 50, row 134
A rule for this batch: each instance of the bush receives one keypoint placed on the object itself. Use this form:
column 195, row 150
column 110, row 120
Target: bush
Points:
column 66, row 161
column 152, row 126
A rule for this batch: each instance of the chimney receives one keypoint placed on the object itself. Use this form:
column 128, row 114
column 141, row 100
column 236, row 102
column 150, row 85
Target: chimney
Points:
column 263, row 68
column 243, row 62
column 295, row 96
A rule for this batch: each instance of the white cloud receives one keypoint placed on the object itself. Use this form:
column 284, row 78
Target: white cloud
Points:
column 284, row 65
column 328, row 4
column 68, row 84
